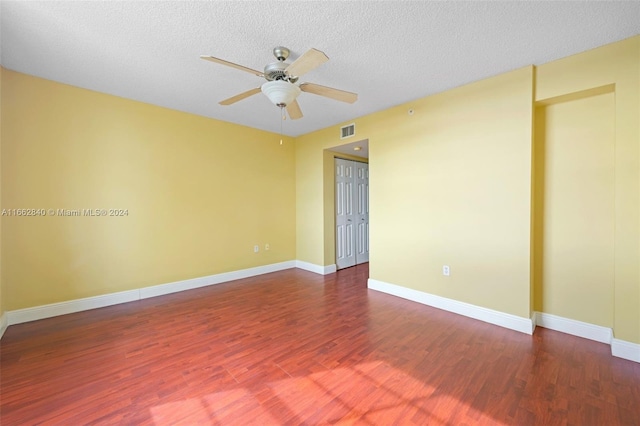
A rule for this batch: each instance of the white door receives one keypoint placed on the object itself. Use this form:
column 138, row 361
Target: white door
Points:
column 345, row 215
column 352, row 213
column 362, row 213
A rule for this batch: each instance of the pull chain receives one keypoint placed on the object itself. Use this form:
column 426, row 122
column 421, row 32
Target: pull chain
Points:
column 282, row 118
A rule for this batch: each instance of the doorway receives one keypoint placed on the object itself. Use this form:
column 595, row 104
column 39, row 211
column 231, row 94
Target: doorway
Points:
column 352, row 212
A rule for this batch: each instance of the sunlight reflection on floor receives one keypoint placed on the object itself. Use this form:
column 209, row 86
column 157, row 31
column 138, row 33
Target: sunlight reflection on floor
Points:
column 331, row 396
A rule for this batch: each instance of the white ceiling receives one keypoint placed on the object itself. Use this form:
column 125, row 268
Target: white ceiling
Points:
column 388, row 52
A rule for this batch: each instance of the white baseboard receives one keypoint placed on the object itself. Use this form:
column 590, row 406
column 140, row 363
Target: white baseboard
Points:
column 626, row 350
column 4, row 323
column 311, row 267
column 619, row 348
column 47, row 311
column 513, row 322
column 162, row 289
column 68, row 307
column 574, row 327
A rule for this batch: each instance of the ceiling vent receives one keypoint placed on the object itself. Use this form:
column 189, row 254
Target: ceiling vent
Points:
column 347, row 131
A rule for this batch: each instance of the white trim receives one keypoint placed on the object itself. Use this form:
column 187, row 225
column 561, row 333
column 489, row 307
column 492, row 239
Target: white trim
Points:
column 574, row 327
column 62, row 308
column 534, row 322
column 619, row 348
column 162, row 289
column 47, row 311
column 626, row 350
column 330, row 269
column 513, row 322
column 311, row 267
column 4, row 323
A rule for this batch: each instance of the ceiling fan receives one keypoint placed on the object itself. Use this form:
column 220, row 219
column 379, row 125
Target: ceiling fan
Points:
column 282, row 77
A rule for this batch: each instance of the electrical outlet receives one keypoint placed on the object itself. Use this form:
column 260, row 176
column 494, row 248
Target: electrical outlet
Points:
column 256, row 248
column 266, row 246
column 445, row 270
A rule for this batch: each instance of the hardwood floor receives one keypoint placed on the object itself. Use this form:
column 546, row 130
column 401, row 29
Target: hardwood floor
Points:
column 293, row 347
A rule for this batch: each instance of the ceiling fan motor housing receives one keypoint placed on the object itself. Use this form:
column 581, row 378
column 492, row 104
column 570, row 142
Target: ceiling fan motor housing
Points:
column 275, row 71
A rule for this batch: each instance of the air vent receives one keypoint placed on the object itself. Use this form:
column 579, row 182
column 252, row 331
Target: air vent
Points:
column 347, row 131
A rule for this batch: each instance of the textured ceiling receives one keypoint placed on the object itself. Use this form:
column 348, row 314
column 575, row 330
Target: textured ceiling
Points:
column 387, row 52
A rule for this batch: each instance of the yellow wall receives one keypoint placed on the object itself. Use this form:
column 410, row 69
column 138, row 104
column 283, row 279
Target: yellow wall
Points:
column 576, row 183
column 452, row 184
column 616, row 64
column 441, row 193
column 199, row 192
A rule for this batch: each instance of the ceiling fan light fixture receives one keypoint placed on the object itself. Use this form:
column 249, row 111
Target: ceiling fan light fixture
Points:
column 280, row 92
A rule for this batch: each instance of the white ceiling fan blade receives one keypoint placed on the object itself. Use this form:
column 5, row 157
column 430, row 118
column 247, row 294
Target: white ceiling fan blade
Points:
column 232, row 65
column 329, row 92
column 240, row 97
column 294, row 110
column 311, row 59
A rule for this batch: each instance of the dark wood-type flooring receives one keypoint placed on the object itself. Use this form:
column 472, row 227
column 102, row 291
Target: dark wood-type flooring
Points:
column 293, row 347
